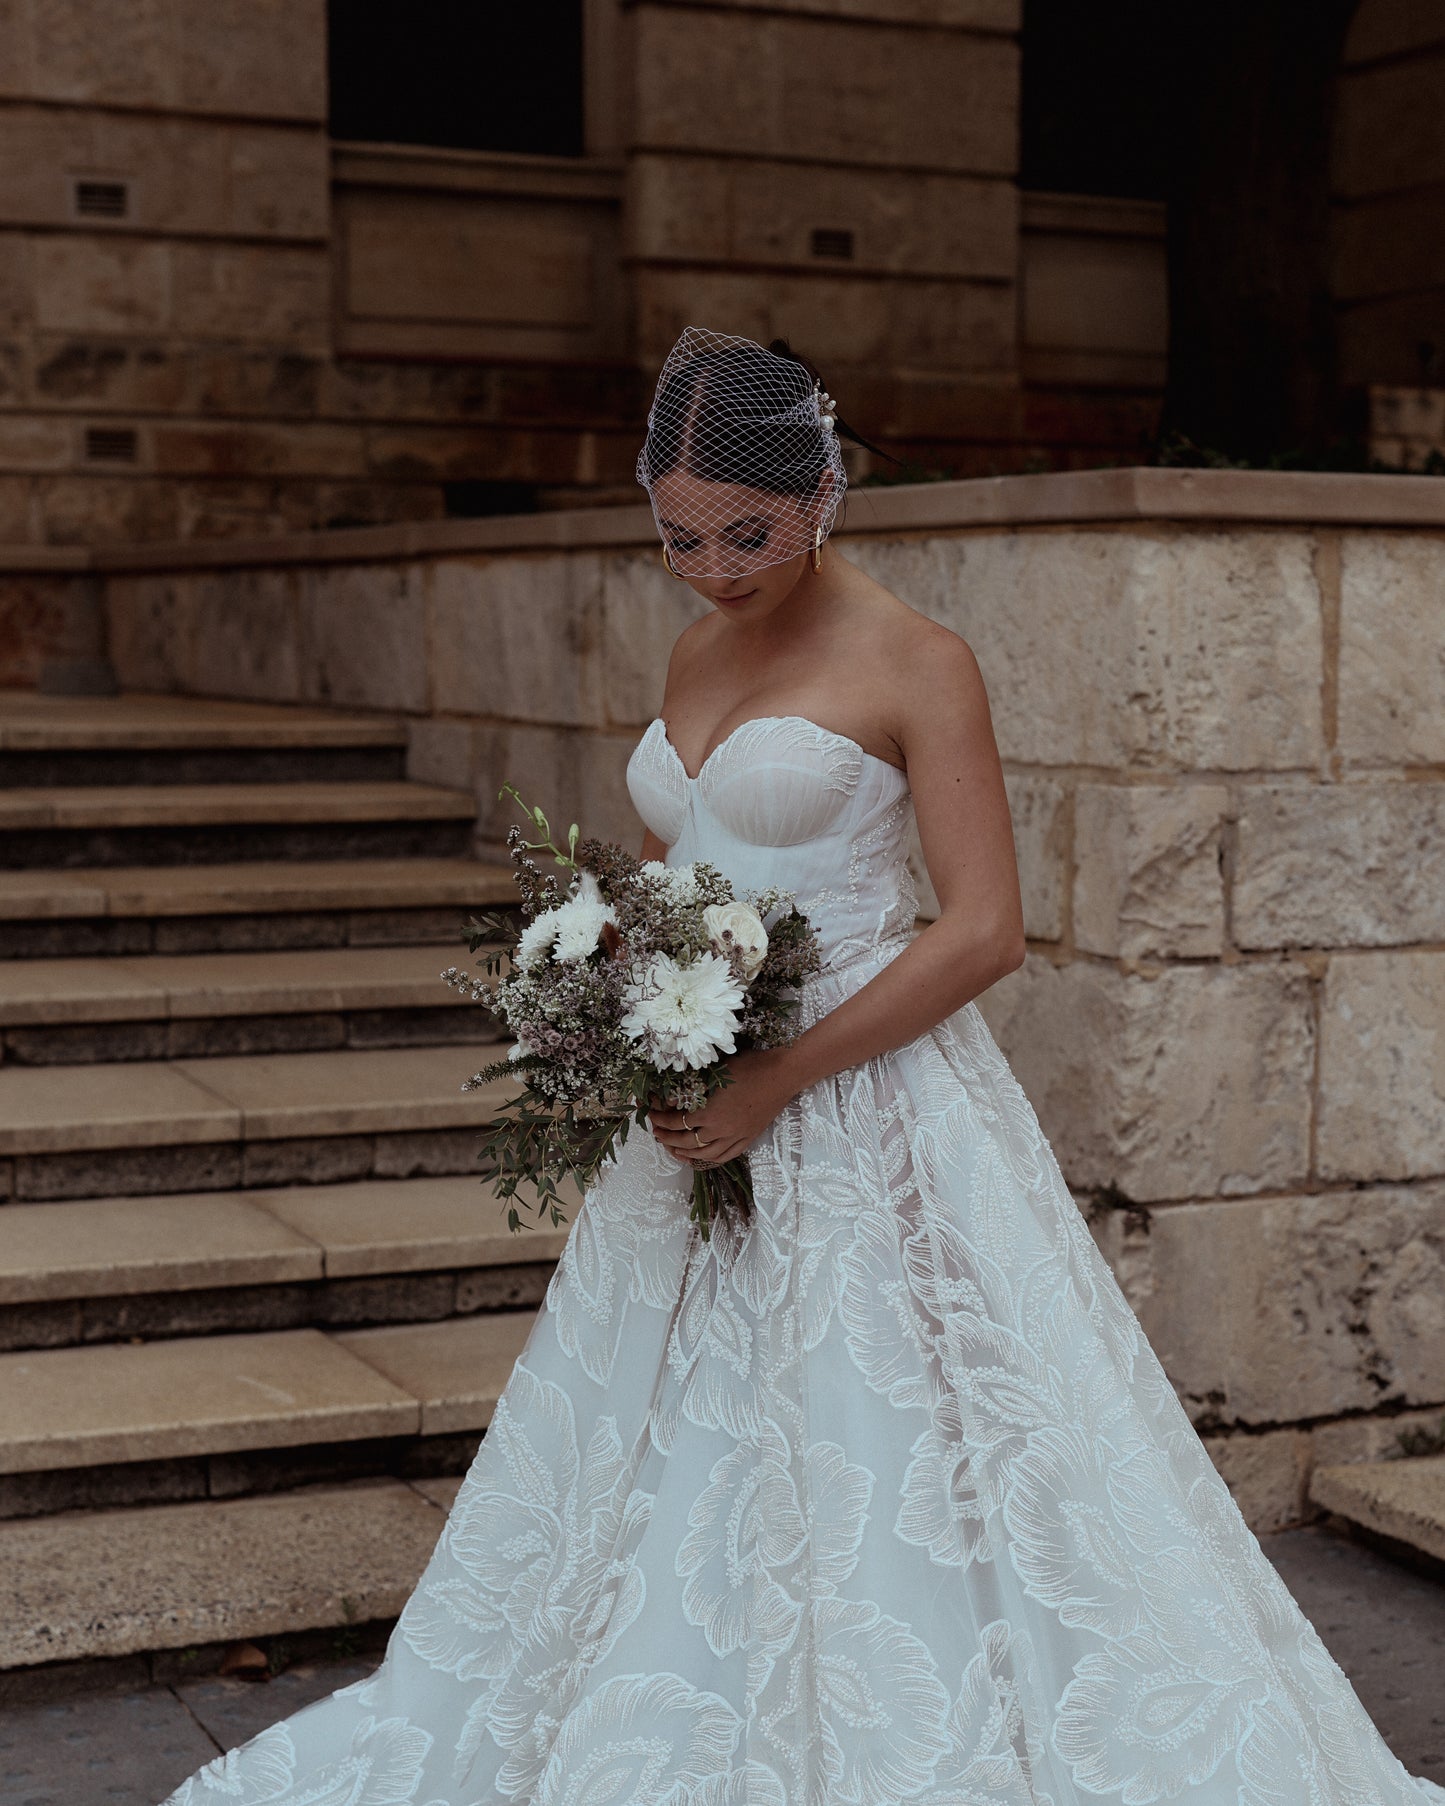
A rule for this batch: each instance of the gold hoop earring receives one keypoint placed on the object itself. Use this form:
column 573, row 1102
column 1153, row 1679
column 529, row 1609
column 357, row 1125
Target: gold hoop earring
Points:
column 818, row 550
column 668, row 562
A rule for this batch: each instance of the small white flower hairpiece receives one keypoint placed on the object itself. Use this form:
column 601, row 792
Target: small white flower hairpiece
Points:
column 827, row 407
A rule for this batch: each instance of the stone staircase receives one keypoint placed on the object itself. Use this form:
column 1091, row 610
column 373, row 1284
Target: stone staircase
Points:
column 1395, row 1505
column 256, row 1303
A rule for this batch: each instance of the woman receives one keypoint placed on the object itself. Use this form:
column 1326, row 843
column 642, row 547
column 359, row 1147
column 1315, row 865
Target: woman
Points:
column 881, row 1496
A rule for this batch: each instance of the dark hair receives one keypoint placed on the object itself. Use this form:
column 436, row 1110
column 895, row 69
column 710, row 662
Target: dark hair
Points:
column 749, row 438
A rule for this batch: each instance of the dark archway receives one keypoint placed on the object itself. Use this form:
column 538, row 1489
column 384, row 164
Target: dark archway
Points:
column 1252, row 359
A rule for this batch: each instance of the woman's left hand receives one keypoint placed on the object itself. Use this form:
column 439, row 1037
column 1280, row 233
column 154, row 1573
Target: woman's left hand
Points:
column 733, row 1117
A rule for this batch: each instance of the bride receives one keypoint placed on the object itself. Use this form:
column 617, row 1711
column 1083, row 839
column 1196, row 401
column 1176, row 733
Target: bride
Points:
column 880, row 1496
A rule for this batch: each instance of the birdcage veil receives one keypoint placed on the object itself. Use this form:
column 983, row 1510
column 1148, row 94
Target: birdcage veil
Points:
column 741, row 460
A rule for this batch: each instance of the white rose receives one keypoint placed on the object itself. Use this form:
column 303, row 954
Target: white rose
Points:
column 737, row 926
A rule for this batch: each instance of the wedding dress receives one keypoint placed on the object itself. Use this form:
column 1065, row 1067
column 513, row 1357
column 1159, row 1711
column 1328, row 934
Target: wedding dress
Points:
column 882, row 1498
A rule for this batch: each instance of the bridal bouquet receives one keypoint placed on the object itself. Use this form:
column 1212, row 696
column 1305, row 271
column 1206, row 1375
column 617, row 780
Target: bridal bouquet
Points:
column 630, row 983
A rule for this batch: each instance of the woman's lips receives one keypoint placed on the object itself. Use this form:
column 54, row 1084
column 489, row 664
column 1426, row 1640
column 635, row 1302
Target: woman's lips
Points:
column 742, row 596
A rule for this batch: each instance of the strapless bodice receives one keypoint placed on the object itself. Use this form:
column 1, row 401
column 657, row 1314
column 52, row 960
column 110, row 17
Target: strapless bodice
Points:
column 782, row 801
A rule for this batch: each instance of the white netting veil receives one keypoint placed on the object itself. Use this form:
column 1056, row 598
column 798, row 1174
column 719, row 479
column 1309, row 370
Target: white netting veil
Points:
column 741, row 460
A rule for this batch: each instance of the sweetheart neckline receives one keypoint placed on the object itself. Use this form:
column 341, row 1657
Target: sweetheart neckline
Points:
column 847, row 739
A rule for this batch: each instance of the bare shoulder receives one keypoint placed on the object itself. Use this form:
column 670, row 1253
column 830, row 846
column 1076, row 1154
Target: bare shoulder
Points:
column 924, row 669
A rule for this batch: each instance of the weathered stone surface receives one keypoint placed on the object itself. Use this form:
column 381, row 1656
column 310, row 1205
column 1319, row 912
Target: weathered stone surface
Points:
column 519, row 638
column 1376, row 1438
column 1283, row 1309
column 1203, row 650
column 243, row 633
column 72, row 1407
column 168, row 1576
column 1404, row 1500
column 582, row 776
column 1392, row 667
column 1265, row 1474
column 252, row 57
column 1340, row 865
column 35, row 442
column 956, row 327
column 186, row 175
column 1146, row 869
column 363, row 632
column 456, row 1369
column 847, row 91
column 44, row 618
column 89, row 283
column 730, row 210
column 1382, row 1067
column 441, row 752
column 644, row 609
column 980, row 15
column 1192, row 1082
column 252, row 294
column 88, row 510
column 1038, row 807
column 145, row 1743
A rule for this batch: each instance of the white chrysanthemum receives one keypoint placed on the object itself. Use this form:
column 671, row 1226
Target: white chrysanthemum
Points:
column 537, row 938
column 579, row 927
column 569, row 931
column 685, row 1015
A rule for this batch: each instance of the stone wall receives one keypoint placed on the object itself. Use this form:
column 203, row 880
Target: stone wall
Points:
column 1220, row 700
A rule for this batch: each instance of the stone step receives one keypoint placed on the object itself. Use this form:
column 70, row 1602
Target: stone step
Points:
column 164, row 987
column 49, row 913
column 207, row 824
column 119, row 1247
column 1400, row 1503
column 161, row 1103
column 215, row 1124
column 134, row 739
column 92, row 1584
column 65, row 1011
column 67, row 1408
column 220, row 805
column 32, row 722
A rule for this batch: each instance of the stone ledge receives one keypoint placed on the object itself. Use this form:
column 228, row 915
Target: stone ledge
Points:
column 1403, row 1500
column 169, row 1576
column 1138, row 494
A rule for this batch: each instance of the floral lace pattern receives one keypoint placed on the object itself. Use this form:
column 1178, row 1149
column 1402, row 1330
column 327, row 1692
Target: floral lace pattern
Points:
column 882, row 1497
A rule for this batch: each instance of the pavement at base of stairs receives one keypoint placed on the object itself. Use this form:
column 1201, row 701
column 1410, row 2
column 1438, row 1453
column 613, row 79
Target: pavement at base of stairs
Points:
column 1382, row 1622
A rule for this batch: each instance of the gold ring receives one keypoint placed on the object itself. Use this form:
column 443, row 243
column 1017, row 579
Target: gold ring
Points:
column 697, row 1138
column 685, row 1123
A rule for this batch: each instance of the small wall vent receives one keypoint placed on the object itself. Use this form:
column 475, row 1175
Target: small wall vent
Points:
column 111, row 444
column 100, row 200
column 833, row 241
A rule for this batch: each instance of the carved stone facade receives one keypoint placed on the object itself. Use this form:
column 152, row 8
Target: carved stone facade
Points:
column 215, row 319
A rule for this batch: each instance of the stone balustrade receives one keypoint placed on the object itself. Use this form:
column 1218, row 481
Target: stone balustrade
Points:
column 1220, row 701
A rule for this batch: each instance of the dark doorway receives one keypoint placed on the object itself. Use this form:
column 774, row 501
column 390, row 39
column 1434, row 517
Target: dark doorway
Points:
column 457, row 75
column 1098, row 85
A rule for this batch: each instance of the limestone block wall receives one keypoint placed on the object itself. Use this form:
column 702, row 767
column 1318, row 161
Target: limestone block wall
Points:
column 1220, row 700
